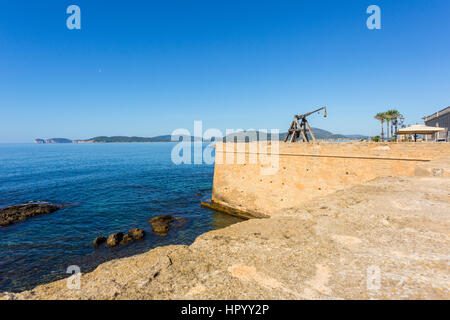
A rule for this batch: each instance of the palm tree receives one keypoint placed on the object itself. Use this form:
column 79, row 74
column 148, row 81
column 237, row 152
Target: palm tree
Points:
column 381, row 117
column 388, row 119
column 395, row 115
column 398, row 118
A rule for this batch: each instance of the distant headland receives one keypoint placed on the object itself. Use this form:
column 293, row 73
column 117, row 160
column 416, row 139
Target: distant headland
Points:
column 104, row 139
column 239, row 137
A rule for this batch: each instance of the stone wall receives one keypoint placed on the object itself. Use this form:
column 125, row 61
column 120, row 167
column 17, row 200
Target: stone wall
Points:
column 292, row 173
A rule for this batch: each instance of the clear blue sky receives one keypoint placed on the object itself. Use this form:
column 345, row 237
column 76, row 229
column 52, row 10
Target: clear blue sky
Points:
column 148, row 67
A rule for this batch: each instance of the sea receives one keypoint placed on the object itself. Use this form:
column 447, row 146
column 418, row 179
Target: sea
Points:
column 105, row 188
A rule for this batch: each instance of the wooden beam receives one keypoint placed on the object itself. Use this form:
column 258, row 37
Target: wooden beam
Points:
column 303, row 131
column 310, row 130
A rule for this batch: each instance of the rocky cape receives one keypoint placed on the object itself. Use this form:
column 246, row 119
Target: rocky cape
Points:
column 331, row 247
column 22, row 212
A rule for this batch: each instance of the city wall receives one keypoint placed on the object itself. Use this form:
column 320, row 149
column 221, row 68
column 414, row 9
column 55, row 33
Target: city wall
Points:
column 262, row 179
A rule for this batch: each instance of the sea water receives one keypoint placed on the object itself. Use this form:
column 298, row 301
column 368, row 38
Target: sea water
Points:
column 106, row 188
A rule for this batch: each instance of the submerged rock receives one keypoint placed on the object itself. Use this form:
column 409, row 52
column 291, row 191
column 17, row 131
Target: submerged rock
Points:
column 161, row 224
column 136, row 233
column 22, row 212
column 161, row 229
column 165, row 218
column 99, row 241
column 114, row 239
column 126, row 239
column 119, row 238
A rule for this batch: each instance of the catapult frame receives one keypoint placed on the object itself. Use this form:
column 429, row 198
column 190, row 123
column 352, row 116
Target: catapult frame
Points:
column 300, row 127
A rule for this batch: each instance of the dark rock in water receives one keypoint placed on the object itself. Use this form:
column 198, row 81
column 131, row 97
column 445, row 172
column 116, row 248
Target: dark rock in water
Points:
column 114, row 239
column 165, row 218
column 99, row 241
column 126, row 239
column 136, row 233
column 22, row 212
column 119, row 238
column 161, row 229
column 161, row 224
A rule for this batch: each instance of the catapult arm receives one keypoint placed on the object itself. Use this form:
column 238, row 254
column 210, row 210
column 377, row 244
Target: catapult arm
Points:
column 310, row 113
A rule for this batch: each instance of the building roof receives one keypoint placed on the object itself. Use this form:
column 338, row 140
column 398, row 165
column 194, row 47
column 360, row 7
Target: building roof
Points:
column 437, row 114
column 420, row 129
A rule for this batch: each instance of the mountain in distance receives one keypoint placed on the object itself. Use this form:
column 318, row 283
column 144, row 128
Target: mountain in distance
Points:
column 168, row 138
column 320, row 134
column 117, row 139
column 240, row 136
column 105, row 139
column 164, row 138
column 356, row 136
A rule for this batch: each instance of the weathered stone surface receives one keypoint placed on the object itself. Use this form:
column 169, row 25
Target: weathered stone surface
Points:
column 322, row 249
column 299, row 172
column 22, row 212
column 161, row 224
column 99, row 241
column 114, row 239
column 436, row 168
column 136, row 233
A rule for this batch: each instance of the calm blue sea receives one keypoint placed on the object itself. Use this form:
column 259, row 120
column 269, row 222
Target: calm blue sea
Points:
column 108, row 188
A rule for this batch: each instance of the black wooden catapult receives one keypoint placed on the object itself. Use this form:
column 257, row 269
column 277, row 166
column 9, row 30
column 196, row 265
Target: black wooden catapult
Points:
column 300, row 127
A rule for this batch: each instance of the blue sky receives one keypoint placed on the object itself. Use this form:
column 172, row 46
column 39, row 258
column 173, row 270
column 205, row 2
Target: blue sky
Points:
column 148, row 67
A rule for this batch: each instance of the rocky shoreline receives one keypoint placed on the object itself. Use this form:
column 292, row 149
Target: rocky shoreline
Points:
column 386, row 239
column 160, row 226
column 18, row 213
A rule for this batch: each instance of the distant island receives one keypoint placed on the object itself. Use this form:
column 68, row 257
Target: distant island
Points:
column 239, row 137
column 53, row 140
